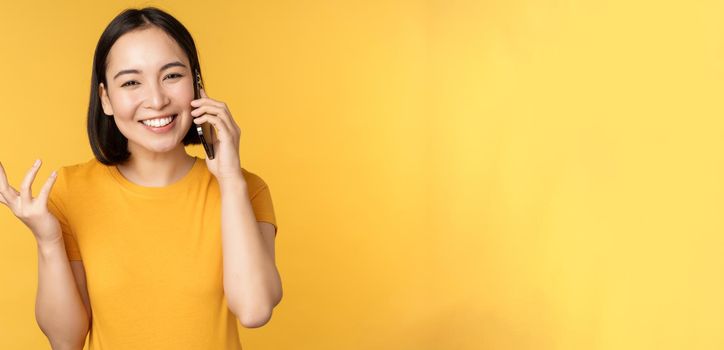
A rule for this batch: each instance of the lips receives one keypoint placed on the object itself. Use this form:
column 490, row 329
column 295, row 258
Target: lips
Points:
column 162, row 129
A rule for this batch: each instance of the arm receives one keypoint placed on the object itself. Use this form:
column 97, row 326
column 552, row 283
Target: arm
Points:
column 251, row 281
column 59, row 307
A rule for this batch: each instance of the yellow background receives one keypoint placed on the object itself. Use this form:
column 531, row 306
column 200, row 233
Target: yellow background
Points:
column 499, row 174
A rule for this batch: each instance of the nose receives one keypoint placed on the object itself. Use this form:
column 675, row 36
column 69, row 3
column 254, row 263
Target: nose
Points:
column 157, row 97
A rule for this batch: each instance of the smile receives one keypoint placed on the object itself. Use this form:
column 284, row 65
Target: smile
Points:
column 160, row 125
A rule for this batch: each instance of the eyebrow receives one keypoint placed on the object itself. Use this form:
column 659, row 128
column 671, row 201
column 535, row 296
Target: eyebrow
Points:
column 165, row 66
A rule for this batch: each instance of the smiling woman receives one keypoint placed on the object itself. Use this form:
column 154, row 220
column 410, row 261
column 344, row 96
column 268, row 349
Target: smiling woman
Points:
column 145, row 246
column 153, row 89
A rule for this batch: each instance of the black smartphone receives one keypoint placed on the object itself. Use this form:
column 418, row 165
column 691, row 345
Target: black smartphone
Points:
column 206, row 130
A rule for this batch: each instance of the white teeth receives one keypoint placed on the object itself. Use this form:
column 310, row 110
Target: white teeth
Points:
column 157, row 123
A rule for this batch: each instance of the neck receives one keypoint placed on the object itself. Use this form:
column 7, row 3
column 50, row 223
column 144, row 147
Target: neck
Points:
column 152, row 169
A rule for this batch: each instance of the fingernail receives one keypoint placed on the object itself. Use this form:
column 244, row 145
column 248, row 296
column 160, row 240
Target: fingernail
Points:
column 54, row 173
column 37, row 162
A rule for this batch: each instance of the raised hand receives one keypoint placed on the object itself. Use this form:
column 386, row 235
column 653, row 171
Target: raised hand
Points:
column 33, row 212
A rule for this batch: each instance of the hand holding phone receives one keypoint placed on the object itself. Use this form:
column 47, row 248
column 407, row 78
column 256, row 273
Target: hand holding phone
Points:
column 205, row 130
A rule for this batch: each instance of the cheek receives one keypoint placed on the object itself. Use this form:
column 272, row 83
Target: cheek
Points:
column 184, row 94
column 125, row 106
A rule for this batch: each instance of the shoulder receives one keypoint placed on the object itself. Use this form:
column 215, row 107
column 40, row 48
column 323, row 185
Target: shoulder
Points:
column 252, row 177
column 80, row 175
column 254, row 182
column 72, row 178
column 81, row 170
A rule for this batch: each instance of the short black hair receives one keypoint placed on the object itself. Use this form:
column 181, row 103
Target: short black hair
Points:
column 109, row 146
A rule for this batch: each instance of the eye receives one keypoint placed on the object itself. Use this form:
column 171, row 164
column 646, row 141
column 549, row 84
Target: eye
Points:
column 174, row 74
column 128, row 83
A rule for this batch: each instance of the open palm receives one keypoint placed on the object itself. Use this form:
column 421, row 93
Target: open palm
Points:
column 33, row 212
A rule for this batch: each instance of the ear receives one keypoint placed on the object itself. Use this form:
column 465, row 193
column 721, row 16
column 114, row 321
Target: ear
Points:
column 105, row 101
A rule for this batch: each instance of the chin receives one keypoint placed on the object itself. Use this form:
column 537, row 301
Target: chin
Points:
column 161, row 147
column 164, row 148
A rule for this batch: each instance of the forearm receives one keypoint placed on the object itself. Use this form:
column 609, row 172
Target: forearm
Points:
column 59, row 309
column 251, row 281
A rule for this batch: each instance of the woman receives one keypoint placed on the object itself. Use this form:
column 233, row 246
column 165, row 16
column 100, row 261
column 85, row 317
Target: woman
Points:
column 145, row 246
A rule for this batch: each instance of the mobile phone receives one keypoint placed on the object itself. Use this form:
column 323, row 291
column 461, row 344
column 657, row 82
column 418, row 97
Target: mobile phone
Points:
column 206, row 130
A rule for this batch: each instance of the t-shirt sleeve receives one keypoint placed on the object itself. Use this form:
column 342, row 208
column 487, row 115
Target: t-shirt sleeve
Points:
column 261, row 202
column 56, row 206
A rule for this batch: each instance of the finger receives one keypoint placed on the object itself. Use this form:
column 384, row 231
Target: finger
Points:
column 204, row 101
column 25, row 187
column 221, row 113
column 3, row 178
column 5, row 194
column 220, row 126
column 8, row 196
column 45, row 191
column 205, row 109
column 229, row 118
column 10, row 193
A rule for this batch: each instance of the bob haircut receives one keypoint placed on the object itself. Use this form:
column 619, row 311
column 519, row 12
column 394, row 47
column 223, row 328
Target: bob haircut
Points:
column 109, row 146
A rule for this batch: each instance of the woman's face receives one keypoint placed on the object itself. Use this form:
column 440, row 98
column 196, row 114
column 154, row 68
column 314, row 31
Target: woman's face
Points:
column 149, row 77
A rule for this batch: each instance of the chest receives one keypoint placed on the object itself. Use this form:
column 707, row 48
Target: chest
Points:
column 135, row 247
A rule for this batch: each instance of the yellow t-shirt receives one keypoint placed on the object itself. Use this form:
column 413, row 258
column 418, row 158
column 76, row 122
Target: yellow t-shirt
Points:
column 152, row 255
